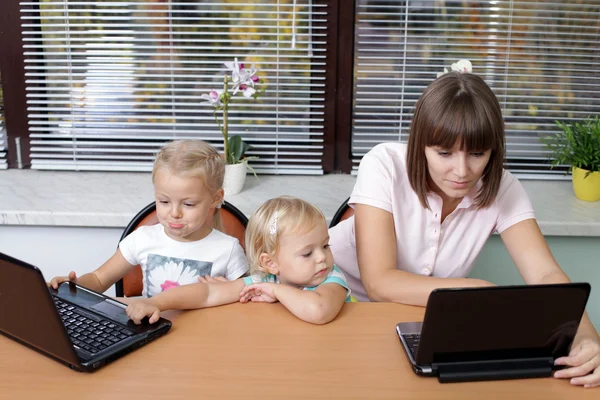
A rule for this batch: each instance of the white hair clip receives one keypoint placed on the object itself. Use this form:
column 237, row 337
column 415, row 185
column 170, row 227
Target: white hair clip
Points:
column 461, row 66
column 273, row 226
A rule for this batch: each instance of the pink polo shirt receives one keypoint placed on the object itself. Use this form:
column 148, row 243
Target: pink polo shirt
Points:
column 424, row 245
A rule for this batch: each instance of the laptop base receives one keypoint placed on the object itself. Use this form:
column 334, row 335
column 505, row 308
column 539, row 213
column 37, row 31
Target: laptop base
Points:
column 494, row 370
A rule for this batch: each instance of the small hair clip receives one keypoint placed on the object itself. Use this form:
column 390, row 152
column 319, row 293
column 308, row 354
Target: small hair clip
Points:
column 461, row 66
column 273, row 226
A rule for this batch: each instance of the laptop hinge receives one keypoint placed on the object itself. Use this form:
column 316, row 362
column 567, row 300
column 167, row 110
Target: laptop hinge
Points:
column 494, row 369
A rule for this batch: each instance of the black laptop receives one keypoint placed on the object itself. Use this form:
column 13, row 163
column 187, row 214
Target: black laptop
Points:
column 493, row 333
column 73, row 325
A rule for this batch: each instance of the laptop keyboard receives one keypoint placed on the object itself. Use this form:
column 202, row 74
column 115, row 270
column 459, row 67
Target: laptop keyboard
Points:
column 412, row 340
column 88, row 331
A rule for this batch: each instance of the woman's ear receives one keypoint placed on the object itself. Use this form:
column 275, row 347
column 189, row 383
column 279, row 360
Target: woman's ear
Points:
column 268, row 263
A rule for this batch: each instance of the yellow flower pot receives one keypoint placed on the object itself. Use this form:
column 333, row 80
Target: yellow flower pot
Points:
column 587, row 189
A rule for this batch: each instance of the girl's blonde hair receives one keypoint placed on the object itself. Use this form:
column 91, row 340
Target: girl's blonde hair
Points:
column 277, row 217
column 194, row 158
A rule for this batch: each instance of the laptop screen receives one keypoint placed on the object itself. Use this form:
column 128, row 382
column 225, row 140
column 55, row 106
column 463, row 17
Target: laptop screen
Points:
column 27, row 310
column 501, row 322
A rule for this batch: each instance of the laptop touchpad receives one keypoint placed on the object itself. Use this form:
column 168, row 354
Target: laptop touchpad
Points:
column 111, row 310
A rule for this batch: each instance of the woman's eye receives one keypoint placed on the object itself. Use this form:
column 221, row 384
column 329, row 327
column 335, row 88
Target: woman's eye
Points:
column 479, row 154
column 326, row 246
column 444, row 153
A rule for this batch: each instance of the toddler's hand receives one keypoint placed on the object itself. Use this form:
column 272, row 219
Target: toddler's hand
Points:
column 259, row 292
column 60, row 279
column 139, row 309
column 210, row 279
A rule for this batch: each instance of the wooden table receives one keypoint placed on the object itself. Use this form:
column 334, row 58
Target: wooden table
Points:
column 261, row 351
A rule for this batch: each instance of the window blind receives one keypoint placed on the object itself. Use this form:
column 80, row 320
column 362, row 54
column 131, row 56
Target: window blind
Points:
column 108, row 83
column 540, row 58
column 3, row 138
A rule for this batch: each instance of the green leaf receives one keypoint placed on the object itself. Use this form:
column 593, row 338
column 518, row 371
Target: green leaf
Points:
column 237, row 149
column 578, row 144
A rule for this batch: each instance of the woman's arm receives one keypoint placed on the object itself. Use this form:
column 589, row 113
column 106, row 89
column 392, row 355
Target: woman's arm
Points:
column 376, row 251
column 532, row 256
column 317, row 307
column 186, row 297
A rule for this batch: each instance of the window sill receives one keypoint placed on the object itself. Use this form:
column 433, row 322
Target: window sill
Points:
column 92, row 199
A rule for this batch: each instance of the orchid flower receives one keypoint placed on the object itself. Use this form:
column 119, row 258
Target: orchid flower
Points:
column 213, row 98
column 240, row 75
column 248, row 92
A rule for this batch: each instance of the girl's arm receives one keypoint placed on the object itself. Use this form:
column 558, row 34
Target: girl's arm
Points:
column 186, row 297
column 101, row 279
column 532, row 256
column 317, row 307
column 376, row 251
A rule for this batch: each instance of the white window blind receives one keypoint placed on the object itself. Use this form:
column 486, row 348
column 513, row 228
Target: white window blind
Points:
column 3, row 138
column 109, row 82
column 540, row 58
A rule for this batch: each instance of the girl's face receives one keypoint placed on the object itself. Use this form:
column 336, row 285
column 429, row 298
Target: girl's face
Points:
column 453, row 172
column 184, row 205
column 304, row 259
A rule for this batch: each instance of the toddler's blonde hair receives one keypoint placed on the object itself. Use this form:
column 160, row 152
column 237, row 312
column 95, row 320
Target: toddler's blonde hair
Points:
column 294, row 215
column 194, row 158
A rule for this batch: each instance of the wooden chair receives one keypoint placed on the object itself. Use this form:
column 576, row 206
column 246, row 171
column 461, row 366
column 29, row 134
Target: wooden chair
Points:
column 344, row 212
column 234, row 222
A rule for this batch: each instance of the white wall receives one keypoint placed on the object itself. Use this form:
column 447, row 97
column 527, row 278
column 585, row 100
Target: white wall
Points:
column 58, row 250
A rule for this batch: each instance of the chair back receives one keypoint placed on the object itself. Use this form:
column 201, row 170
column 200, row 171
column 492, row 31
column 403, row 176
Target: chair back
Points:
column 234, row 224
column 344, row 212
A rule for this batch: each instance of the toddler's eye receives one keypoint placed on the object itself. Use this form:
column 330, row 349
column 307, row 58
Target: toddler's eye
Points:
column 307, row 254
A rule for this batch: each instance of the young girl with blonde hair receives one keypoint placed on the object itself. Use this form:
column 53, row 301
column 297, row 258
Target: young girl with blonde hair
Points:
column 287, row 245
column 187, row 244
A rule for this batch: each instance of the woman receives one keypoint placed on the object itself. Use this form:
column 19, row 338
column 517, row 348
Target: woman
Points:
column 424, row 211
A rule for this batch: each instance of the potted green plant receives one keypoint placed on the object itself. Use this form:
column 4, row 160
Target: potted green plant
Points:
column 242, row 81
column 578, row 145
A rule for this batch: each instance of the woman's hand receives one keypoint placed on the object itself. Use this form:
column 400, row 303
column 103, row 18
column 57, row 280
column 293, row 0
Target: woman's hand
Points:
column 584, row 363
column 259, row 292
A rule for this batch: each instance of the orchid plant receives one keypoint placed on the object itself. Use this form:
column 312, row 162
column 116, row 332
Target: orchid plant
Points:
column 241, row 80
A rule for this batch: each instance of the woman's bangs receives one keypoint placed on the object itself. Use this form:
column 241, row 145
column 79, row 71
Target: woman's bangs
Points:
column 464, row 124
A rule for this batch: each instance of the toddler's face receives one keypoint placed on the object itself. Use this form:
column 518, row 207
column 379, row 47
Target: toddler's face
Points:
column 184, row 205
column 305, row 259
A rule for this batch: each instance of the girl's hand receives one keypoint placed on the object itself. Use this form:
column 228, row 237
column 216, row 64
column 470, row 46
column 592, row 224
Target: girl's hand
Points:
column 60, row 279
column 139, row 309
column 210, row 279
column 584, row 360
column 259, row 292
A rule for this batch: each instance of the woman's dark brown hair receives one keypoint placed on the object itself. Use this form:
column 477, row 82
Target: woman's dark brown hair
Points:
column 457, row 107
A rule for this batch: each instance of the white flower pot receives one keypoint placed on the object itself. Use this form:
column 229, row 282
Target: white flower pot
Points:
column 235, row 175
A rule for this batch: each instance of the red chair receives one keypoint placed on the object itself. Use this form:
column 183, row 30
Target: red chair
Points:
column 344, row 212
column 234, row 222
